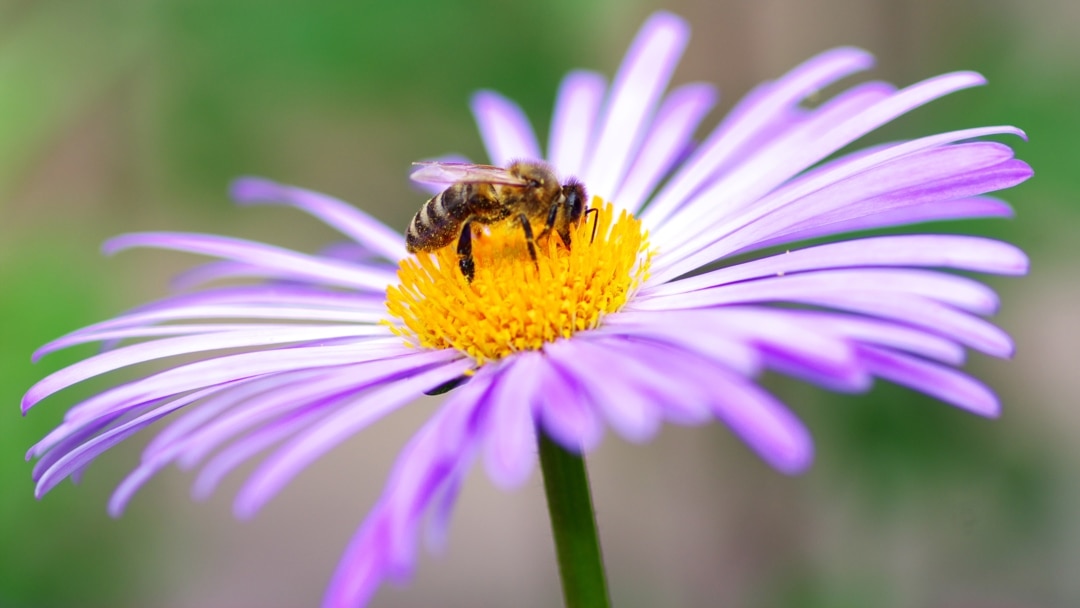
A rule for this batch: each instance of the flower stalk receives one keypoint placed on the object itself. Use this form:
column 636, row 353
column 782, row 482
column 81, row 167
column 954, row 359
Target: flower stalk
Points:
column 573, row 524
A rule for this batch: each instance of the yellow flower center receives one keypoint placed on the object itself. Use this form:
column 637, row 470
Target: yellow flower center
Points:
column 515, row 303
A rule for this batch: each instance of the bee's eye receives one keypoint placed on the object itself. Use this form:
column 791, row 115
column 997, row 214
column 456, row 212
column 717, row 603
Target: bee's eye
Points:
column 534, row 183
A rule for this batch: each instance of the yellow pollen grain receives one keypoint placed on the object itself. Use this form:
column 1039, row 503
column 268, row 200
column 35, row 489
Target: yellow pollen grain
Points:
column 513, row 303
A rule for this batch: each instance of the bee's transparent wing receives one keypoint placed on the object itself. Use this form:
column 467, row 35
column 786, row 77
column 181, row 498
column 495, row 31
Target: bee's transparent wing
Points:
column 437, row 172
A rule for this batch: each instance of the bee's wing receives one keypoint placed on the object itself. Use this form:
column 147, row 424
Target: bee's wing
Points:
column 436, row 172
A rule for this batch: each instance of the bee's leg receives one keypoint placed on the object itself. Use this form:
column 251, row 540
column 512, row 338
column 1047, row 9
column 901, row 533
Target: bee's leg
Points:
column 553, row 214
column 596, row 218
column 529, row 240
column 464, row 252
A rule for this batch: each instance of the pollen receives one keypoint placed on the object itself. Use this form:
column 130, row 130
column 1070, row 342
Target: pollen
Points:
column 515, row 303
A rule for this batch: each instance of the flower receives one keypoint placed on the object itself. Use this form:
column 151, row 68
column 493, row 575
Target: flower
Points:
column 642, row 323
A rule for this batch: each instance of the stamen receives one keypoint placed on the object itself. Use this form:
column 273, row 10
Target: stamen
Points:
column 515, row 303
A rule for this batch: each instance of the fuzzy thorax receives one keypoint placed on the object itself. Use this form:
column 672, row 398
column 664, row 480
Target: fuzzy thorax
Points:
column 513, row 303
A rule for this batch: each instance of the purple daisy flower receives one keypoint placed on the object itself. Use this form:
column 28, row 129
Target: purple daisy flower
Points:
column 640, row 324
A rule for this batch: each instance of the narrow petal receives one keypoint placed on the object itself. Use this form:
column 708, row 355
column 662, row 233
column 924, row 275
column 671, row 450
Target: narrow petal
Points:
column 222, row 464
column 921, row 203
column 296, row 455
column 758, row 112
column 347, row 219
column 973, row 208
column 314, row 392
column 675, row 381
column 879, row 332
column 566, row 413
column 638, row 85
column 170, row 347
column 682, row 331
column 958, row 291
column 288, row 264
column 669, row 138
column 195, row 418
column 605, row 378
column 382, row 548
column 763, row 423
column 832, row 127
column 89, row 450
column 971, row 253
column 218, row 271
column 218, row 370
column 236, row 454
column 574, row 122
column 510, row 444
column 135, row 321
column 505, row 129
column 864, row 185
column 944, row 383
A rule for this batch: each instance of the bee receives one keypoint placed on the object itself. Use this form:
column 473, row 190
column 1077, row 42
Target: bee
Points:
column 525, row 192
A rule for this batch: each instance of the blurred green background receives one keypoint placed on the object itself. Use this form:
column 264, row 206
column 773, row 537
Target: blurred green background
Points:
column 120, row 115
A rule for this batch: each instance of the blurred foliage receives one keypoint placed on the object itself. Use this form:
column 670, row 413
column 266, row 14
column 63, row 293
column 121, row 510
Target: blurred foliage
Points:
column 57, row 551
column 57, row 58
column 227, row 71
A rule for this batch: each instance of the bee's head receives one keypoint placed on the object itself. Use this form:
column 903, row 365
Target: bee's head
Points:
column 574, row 194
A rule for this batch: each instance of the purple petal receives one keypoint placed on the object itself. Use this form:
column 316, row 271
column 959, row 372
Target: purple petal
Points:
column 310, row 392
column 438, row 531
column 384, row 545
column 831, row 128
column 938, row 250
column 797, row 349
column 755, row 416
column 288, row 264
column 156, row 331
column 170, row 347
column 938, row 172
column 510, row 443
column 218, row 370
column 961, row 292
column 681, row 331
column 638, row 85
column 574, row 122
column 135, row 321
column 285, row 463
column 902, row 205
column 87, row 451
column 240, row 452
column 566, row 413
column 669, row 137
column 878, row 332
column 979, row 207
column 944, row 383
column 918, row 311
column 757, row 113
column 181, row 428
column 674, row 380
column 763, row 423
column 220, row 466
column 766, row 167
column 66, row 437
column 606, row 380
column 349, row 220
column 217, row 271
column 505, row 129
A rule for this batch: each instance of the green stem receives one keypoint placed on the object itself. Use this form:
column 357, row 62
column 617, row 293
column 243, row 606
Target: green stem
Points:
column 573, row 524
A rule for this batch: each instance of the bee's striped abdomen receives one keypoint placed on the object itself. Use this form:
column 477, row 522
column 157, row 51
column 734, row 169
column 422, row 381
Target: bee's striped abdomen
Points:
column 439, row 221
